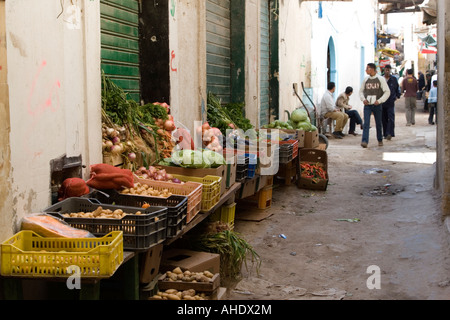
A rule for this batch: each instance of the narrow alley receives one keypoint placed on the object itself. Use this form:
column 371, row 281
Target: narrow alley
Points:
column 387, row 192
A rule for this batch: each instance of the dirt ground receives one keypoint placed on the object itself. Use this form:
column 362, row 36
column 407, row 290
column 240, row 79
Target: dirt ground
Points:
column 400, row 228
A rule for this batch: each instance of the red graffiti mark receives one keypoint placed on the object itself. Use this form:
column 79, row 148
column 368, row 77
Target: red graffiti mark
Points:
column 171, row 61
column 36, row 108
column 47, row 103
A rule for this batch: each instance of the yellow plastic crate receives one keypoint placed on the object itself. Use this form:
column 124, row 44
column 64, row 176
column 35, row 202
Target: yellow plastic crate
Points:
column 27, row 254
column 265, row 197
column 225, row 214
column 211, row 189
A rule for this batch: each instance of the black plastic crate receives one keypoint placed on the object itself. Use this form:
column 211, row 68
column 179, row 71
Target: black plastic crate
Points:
column 176, row 206
column 242, row 162
column 140, row 232
column 241, row 175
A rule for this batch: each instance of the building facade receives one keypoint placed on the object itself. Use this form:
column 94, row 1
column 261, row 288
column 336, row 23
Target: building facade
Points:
column 52, row 55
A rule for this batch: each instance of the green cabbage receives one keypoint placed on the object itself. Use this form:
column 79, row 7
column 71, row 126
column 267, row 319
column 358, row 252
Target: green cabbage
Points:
column 197, row 159
column 299, row 115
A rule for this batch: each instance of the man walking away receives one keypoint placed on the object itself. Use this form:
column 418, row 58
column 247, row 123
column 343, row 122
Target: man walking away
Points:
column 432, row 103
column 410, row 87
column 329, row 111
column 388, row 107
column 373, row 93
column 355, row 118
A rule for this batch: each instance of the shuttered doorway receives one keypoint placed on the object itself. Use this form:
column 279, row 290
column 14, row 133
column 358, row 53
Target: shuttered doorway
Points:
column 120, row 44
column 265, row 63
column 218, row 52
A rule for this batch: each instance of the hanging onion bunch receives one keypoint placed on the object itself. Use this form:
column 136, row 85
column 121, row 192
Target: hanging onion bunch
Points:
column 115, row 141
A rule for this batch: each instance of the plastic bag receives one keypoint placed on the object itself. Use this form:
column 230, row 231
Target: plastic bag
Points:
column 47, row 225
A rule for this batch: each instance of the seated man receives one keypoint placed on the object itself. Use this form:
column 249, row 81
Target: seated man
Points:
column 330, row 111
column 354, row 116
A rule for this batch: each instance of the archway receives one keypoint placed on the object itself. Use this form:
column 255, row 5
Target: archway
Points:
column 331, row 62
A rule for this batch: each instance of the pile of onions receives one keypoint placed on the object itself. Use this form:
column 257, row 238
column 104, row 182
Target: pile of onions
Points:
column 168, row 125
column 153, row 173
column 211, row 137
column 112, row 142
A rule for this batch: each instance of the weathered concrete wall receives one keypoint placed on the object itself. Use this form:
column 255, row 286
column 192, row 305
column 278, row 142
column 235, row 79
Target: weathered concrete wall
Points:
column 187, row 41
column 54, row 94
column 443, row 133
column 295, row 28
column 252, row 61
column 6, row 204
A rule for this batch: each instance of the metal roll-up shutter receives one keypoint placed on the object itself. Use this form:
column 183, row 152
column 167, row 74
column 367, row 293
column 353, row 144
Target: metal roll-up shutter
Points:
column 120, row 44
column 265, row 64
column 218, row 51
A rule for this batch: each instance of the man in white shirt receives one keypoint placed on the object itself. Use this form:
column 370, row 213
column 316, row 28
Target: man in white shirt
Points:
column 373, row 93
column 331, row 111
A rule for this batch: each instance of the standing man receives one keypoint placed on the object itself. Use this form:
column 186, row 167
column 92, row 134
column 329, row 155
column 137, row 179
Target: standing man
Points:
column 388, row 107
column 422, row 84
column 410, row 87
column 353, row 115
column 373, row 93
column 329, row 110
column 432, row 103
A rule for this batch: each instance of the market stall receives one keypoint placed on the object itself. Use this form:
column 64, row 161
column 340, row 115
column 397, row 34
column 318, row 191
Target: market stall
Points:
column 153, row 188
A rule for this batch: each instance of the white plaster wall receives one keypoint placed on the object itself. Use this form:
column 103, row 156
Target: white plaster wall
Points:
column 54, row 93
column 252, row 61
column 295, row 34
column 304, row 41
column 352, row 26
column 406, row 23
column 187, row 42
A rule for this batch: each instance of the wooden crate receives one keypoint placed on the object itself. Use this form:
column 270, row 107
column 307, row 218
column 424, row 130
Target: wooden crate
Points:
column 164, row 284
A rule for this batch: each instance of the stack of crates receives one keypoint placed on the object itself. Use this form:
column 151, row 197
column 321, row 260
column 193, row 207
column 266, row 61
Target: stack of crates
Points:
column 288, row 151
column 242, row 167
column 225, row 214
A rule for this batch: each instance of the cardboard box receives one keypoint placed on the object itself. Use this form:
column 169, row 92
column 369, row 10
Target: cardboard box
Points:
column 112, row 159
column 219, row 172
column 150, row 263
column 248, row 188
column 195, row 261
column 165, row 283
column 264, row 181
column 314, row 156
column 311, row 139
column 219, row 294
column 230, row 176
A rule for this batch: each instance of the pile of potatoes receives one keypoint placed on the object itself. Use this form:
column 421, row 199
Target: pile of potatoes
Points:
column 100, row 213
column 173, row 294
column 141, row 189
column 187, row 276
